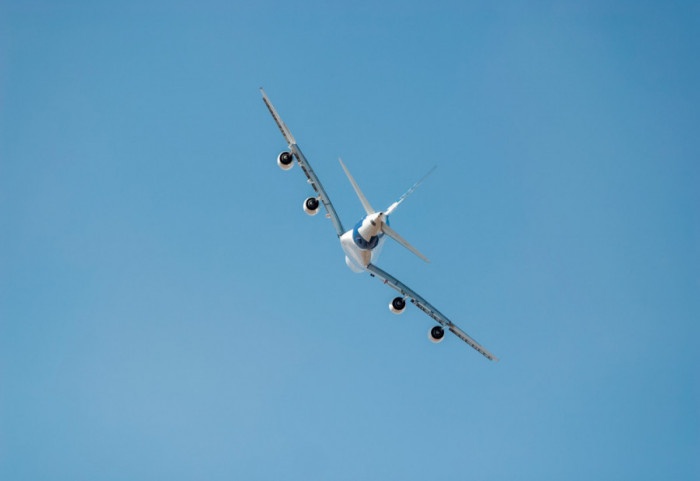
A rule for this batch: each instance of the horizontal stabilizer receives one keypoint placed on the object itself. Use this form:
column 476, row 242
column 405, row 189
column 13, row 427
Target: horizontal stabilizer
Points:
column 391, row 233
column 360, row 195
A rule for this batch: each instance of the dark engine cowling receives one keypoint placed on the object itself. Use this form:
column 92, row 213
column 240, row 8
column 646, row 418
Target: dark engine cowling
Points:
column 397, row 305
column 285, row 160
column 436, row 334
column 311, row 205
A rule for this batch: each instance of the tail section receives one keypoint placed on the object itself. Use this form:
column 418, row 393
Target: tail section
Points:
column 391, row 233
column 360, row 195
column 381, row 217
column 410, row 191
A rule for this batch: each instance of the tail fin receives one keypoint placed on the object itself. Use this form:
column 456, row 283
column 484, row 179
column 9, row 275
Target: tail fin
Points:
column 393, row 206
column 363, row 199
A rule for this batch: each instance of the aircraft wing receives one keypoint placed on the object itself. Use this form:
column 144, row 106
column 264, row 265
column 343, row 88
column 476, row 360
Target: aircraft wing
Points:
column 305, row 167
column 426, row 307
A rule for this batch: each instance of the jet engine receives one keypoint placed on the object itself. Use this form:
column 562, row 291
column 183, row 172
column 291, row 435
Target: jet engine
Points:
column 436, row 334
column 397, row 305
column 311, row 205
column 285, row 160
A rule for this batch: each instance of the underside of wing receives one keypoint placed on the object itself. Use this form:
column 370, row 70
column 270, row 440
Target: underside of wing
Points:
column 318, row 187
column 305, row 167
column 428, row 308
column 278, row 120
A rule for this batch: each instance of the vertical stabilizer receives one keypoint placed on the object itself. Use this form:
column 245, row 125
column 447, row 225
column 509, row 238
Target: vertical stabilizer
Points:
column 393, row 206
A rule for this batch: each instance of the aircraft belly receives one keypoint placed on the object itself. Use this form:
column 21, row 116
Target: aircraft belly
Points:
column 377, row 250
column 354, row 255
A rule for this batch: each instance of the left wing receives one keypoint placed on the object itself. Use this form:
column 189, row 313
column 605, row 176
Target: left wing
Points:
column 305, row 166
column 426, row 307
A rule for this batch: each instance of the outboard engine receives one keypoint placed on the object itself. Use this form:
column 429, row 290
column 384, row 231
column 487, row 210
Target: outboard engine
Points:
column 285, row 160
column 397, row 305
column 311, row 205
column 436, row 334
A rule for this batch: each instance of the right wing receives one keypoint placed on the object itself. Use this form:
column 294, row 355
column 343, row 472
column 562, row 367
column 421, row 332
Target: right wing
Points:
column 426, row 307
column 305, row 166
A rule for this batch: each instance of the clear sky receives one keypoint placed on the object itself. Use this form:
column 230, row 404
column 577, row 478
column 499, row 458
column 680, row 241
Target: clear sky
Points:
column 167, row 310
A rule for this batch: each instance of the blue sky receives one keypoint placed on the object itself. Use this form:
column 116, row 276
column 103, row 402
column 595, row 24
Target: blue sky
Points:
column 168, row 311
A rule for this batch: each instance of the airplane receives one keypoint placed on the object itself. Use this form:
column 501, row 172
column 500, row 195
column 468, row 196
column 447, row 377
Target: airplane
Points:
column 362, row 244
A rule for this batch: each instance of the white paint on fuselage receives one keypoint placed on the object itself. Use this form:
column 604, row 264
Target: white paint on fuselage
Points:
column 357, row 259
column 371, row 225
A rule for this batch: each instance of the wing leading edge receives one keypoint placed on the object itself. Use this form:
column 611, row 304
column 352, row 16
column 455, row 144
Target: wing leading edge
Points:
column 428, row 308
column 305, row 166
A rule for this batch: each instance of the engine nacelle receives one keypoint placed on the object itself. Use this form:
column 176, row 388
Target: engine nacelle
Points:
column 285, row 160
column 397, row 305
column 311, row 205
column 436, row 334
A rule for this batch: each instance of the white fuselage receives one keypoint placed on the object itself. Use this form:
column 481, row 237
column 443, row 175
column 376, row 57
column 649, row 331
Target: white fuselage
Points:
column 362, row 244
